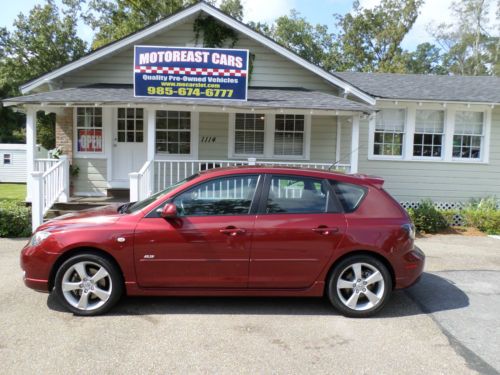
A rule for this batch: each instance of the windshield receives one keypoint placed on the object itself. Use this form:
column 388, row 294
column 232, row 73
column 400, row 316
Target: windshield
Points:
column 139, row 205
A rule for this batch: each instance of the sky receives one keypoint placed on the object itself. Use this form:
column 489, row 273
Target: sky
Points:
column 315, row 11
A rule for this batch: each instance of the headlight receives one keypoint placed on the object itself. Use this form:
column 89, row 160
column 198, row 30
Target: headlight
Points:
column 38, row 238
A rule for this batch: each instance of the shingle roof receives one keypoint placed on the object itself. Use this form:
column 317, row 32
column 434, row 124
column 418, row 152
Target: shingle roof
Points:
column 482, row 89
column 258, row 97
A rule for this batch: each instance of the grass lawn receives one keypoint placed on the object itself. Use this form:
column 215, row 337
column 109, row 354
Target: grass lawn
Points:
column 12, row 192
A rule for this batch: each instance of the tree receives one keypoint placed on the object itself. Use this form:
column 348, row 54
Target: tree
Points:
column 426, row 59
column 40, row 42
column 471, row 44
column 313, row 43
column 115, row 19
column 370, row 39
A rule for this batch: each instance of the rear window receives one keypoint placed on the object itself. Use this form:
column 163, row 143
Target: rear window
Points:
column 350, row 195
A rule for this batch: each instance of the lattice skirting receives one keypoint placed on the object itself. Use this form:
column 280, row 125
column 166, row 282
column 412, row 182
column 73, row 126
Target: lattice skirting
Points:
column 457, row 218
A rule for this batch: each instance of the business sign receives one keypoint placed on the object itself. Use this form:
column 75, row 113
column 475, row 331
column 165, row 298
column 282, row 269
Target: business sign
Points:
column 194, row 73
column 89, row 140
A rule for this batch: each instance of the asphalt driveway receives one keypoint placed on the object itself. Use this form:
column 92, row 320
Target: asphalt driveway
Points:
column 448, row 323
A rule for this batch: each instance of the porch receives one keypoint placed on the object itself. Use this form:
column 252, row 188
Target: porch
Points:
column 117, row 141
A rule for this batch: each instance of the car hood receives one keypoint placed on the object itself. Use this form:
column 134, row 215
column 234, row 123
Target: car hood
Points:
column 89, row 217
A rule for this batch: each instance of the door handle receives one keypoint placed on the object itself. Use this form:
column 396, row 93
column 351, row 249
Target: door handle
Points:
column 232, row 231
column 325, row 231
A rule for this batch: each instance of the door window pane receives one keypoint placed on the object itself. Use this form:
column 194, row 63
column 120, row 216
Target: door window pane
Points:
column 131, row 120
column 297, row 195
column 222, row 196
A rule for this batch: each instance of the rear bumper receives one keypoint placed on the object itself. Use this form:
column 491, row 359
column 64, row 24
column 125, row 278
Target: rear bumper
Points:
column 413, row 266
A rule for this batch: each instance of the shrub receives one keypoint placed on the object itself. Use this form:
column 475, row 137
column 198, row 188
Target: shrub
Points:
column 483, row 214
column 427, row 218
column 449, row 216
column 15, row 219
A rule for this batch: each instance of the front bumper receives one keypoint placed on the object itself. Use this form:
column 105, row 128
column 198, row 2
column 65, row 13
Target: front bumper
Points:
column 37, row 265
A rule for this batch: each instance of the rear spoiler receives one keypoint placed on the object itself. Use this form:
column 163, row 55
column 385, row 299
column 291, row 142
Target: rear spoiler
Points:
column 378, row 182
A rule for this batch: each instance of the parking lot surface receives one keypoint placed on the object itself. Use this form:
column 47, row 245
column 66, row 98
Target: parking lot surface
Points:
column 448, row 323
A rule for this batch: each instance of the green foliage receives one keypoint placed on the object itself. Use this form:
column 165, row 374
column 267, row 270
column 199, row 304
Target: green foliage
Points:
column 38, row 42
column 427, row 218
column 449, row 216
column 313, row 43
column 426, row 59
column 15, row 219
column 471, row 44
column 215, row 34
column 370, row 39
column 483, row 214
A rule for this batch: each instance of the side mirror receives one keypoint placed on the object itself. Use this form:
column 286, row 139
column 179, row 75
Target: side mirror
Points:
column 169, row 211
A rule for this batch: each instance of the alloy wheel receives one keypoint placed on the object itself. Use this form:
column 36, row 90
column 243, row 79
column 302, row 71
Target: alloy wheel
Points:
column 86, row 285
column 360, row 286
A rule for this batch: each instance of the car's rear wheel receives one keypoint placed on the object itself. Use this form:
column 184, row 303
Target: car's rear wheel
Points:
column 88, row 284
column 359, row 286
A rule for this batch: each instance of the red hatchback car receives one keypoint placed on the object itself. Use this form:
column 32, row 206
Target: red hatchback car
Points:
column 247, row 231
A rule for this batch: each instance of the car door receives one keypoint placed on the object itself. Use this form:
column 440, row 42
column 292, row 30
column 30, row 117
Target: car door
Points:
column 298, row 227
column 207, row 245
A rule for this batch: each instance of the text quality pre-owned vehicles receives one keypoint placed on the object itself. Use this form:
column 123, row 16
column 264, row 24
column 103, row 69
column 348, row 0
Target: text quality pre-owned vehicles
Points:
column 247, row 231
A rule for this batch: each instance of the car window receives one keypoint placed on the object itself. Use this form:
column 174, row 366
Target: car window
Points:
column 222, row 196
column 139, row 205
column 350, row 195
column 295, row 194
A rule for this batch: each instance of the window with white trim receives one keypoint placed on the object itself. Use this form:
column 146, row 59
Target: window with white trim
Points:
column 468, row 135
column 89, row 132
column 130, row 125
column 249, row 134
column 173, row 132
column 7, row 158
column 289, row 135
column 429, row 133
column 389, row 132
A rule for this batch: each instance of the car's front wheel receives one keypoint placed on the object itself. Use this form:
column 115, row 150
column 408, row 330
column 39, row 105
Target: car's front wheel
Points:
column 359, row 286
column 88, row 284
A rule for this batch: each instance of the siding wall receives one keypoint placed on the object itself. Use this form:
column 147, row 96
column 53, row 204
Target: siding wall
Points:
column 270, row 69
column 92, row 178
column 213, row 125
column 442, row 182
column 323, row 139
column 16, row 171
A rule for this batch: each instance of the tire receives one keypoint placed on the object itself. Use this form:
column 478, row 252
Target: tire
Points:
column 359, row 286
column 88, row 284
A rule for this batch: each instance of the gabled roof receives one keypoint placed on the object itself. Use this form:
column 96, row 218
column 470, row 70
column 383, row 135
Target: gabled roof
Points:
column 481, row 89
column 179, row 17
column 258, row 98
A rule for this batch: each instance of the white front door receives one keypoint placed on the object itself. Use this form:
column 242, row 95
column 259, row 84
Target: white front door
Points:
column 129, row 144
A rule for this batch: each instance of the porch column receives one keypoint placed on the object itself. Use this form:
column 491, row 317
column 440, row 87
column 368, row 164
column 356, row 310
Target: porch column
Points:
column 151, row 124
column 355, row 143
column 30, row 150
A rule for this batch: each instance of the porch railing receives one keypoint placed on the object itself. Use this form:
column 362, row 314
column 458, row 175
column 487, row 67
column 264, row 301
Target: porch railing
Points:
column 158, row 174
column 49, row 184
column 42, row 165
column 141, row 183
